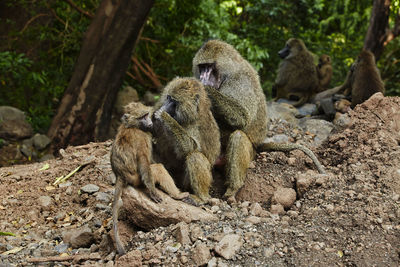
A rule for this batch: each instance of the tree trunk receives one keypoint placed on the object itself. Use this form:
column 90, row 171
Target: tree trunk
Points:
column 84, row 113
column 378, row 27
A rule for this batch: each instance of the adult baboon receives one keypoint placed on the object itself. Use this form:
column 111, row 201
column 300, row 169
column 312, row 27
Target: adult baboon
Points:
column 187, row 135
column 131, row 162
column 362, row 80
column 297, row 77
column 239, row 106
column 324, row 71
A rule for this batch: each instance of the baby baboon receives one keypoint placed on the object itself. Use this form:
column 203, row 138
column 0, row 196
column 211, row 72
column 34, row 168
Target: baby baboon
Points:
column 239, row 106
column 297, row 76
column 324, row 70
column 131, row 161
column 362, row 81
column 187, row 135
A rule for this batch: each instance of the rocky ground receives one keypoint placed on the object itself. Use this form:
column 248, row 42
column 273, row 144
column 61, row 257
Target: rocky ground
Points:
column 286, row 214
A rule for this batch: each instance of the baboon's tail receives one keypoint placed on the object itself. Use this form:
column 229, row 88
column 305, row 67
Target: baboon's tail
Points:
column 115, row 210
column 289, row 147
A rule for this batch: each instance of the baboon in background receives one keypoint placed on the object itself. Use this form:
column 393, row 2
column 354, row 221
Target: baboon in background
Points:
column 239, row 106
column 324, row 70
column 362, row 81
column 187, row 135
column 297, row 77
column 131, row 162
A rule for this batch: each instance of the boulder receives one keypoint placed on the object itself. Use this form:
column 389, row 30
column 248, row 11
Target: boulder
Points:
column 145, row 213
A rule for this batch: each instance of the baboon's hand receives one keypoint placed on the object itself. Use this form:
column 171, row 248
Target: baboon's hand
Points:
column 155, row 197
column 157, row 114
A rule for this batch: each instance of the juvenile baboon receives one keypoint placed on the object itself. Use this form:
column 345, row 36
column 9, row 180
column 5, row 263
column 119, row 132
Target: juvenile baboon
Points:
column 324, row 71
column 362, row 80
column 297, row 77
column 131, row 162
column 186, row 135
column 239, row 106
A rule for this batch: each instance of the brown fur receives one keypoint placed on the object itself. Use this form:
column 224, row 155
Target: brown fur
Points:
column 362, row 81
column 187, row 135
column 297, row 76
column 324, row 71
column 239, row 106
column 131, row 162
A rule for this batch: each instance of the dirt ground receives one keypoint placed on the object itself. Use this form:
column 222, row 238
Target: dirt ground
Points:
column 351, row 217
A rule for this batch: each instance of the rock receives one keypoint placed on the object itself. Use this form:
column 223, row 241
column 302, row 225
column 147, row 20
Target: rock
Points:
column 103, row 197
column 61, row 248
column 13, row 124
column 341, row 120
column 277, row 209
column 228, row 246
column 283, row 111
column 90, row 188
column 45, row 201
column 143, row 212
column 303, row 183
column 253, row 220
column 40, row 141
column 256, row 209
column 284, row 196
column 307, row 109
column 321, row 129
column 79, row 238
column 200, row 254
column 132, row 258
column 182, row 233
column 278, row 138
column 327, row 106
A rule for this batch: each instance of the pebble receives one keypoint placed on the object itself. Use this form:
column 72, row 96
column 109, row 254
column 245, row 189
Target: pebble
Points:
column 90, row 188
column 285, row 196
column 228, row 246
column 103, row 197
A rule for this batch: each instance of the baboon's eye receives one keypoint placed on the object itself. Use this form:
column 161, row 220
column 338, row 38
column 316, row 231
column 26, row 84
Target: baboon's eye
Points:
column 143, row 116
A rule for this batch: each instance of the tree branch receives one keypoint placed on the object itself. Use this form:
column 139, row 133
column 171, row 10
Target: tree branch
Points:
column 80, row 10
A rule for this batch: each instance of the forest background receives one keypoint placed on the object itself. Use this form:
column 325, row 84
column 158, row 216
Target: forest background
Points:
column 40, row 42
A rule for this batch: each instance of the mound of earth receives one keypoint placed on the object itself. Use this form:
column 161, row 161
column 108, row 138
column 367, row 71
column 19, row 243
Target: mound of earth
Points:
column 349, row 217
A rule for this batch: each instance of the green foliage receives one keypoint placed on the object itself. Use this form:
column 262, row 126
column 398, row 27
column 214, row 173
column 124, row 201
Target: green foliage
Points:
column 44, row 39
column 37, row 59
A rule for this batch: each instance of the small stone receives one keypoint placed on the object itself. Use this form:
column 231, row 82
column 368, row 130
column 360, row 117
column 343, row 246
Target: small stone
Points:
column 253, row 219
column 197, row 233
column 182, row 233
column 255, row 209
column 61, row 248
column 66, row 184
column 40, row 141
column 268, row 252
column 79, row 238
column 103, row 197
column 90, row 188
column 277, row 209
column 303, row 183
column 214, row 209
column 45, row 201
column 285, row 196
column 213, row 262
column 200, row 254
column 174, row 248
column 228, row 246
